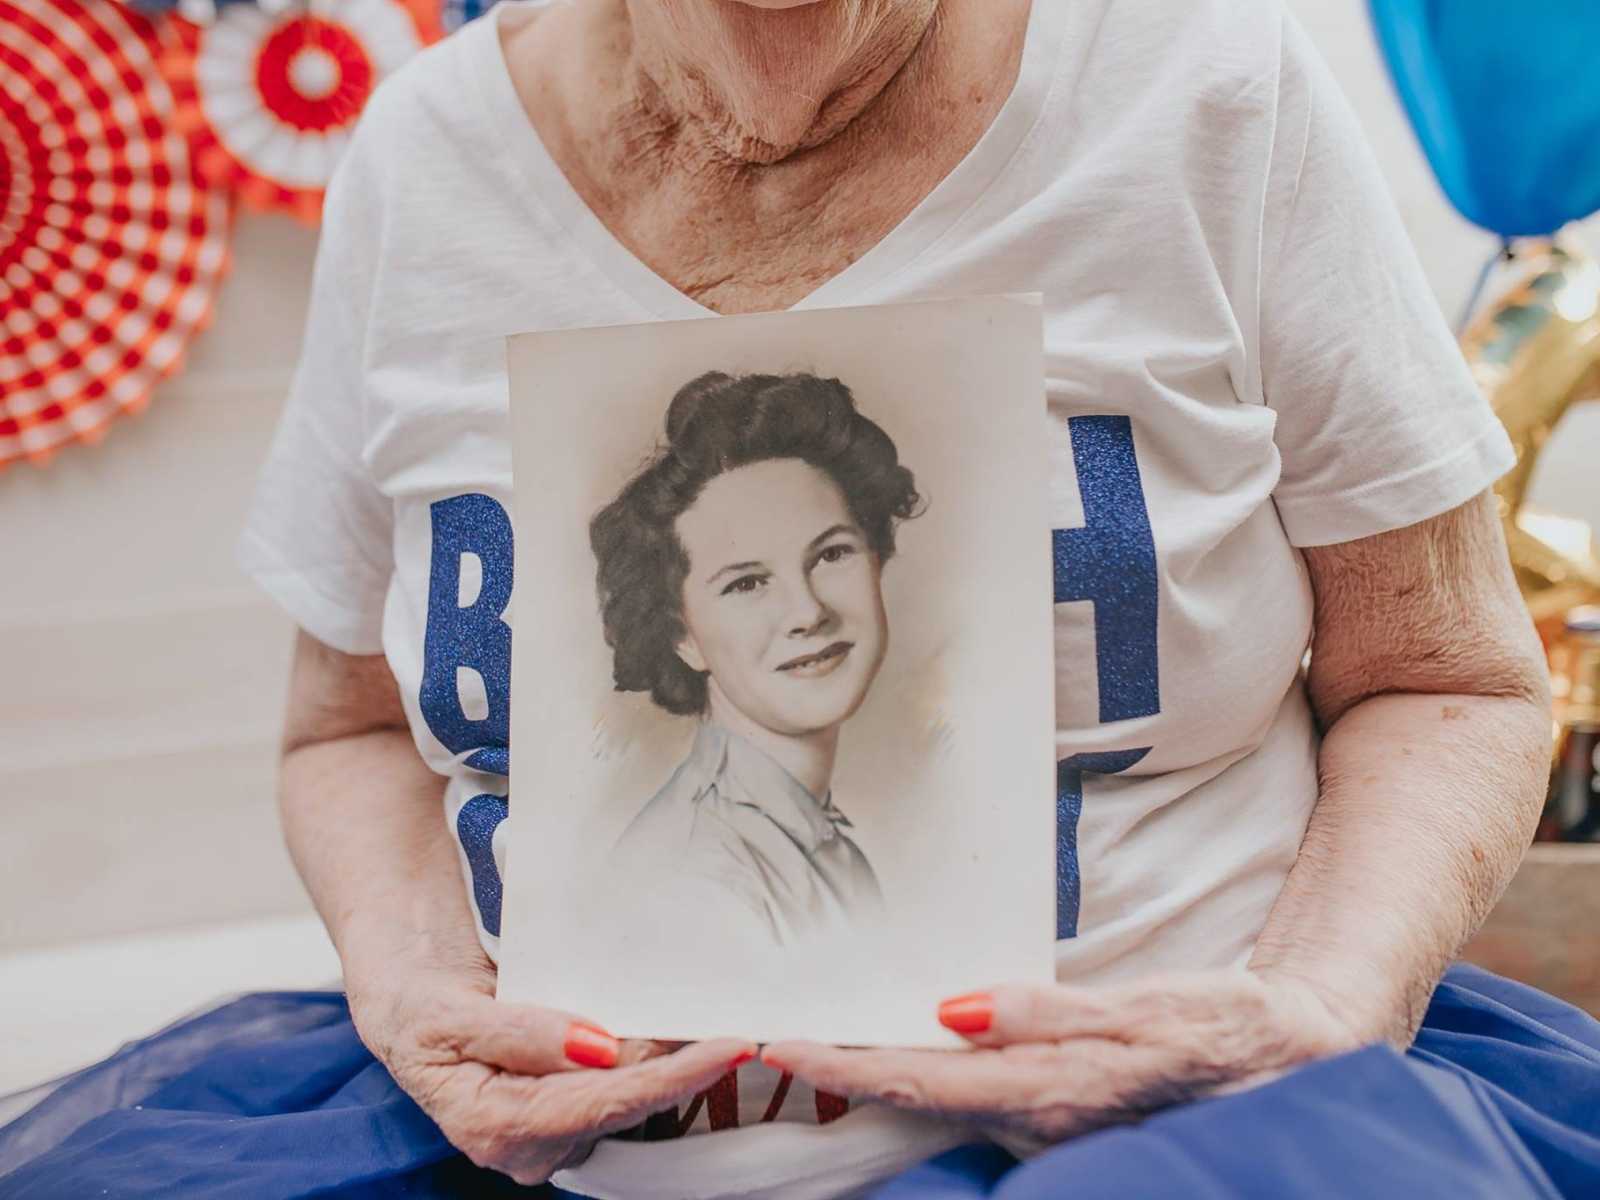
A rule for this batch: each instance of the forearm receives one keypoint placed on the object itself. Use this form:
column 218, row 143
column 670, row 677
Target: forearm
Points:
column 1426, row 805
column 363, row 821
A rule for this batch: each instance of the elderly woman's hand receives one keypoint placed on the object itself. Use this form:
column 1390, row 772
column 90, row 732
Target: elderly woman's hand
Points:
column 501, row 1080
column 1055, row 1061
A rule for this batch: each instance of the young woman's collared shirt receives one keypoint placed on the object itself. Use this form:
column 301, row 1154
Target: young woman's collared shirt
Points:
column 763, row 858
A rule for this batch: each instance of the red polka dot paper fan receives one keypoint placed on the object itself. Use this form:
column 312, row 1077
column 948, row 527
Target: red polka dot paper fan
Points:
column 268, row 99
column 111, row 249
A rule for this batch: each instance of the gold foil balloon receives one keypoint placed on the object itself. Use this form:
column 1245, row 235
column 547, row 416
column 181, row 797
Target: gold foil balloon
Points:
column 1536, row 352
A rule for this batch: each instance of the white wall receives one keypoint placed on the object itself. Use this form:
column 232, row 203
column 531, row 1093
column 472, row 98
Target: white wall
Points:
column 1452, row 250
column 143, row 678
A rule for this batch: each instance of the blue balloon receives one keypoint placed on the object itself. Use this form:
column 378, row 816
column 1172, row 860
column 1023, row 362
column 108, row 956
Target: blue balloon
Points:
column 458, row 12
column 1505, row 97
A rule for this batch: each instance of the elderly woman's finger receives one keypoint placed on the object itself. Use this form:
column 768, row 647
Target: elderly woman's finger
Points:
column 1084, row 1084
column 527, row 1040
column 1028, row 1013
column 1155, row 1010
column 638, row 1050
column 946, row 1081
column 598, row 1103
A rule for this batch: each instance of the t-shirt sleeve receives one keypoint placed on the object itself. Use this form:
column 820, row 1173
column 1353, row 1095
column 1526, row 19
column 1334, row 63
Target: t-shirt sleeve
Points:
column 1379, row 422
column 318, row 536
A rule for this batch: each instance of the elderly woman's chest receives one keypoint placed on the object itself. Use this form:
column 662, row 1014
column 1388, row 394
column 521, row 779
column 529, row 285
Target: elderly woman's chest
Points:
column 767, row 249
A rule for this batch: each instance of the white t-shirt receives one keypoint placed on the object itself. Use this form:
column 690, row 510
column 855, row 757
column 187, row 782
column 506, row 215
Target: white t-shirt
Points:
column 1243, row 358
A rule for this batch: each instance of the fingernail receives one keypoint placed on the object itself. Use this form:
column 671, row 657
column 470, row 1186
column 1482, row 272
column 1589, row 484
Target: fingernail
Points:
column 591, row 1046
column 743, row 1057
column 972, row 1013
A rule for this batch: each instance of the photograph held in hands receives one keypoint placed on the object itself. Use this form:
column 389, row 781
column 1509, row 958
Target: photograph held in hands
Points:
column 766, row 685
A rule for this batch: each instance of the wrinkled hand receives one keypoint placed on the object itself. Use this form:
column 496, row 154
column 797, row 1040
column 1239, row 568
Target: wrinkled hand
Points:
column 499, row 1079
column 1055, row 1061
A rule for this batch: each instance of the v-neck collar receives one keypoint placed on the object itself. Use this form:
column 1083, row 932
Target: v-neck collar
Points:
column 916, row 233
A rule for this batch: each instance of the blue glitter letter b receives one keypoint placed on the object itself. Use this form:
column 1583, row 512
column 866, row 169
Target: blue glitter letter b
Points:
column 472, row 635
column 475, row 826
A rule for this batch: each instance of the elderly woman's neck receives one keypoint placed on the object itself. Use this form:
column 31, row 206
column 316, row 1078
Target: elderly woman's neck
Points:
column 753, row 85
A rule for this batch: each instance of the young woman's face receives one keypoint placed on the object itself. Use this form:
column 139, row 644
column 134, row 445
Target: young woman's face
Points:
column 782, row 603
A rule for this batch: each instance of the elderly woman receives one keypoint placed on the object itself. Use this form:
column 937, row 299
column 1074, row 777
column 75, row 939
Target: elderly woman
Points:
column 1263, row 440
column 740, row 582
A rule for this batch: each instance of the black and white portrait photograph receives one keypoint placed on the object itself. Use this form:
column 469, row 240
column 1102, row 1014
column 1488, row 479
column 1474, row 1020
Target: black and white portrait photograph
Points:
column 766, row 675
column 740, row 581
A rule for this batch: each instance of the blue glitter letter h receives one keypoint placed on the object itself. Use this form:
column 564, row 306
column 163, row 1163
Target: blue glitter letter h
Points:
column 1069, row 804
column 472, row 636
column 1111, row 560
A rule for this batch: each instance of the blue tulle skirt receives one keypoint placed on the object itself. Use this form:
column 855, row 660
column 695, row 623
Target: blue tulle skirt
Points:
column 273, row 1097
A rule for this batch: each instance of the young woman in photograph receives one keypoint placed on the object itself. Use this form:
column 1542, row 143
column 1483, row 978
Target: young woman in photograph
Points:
column 739, row 575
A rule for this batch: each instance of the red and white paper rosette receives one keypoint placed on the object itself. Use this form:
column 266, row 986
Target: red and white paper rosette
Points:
column 110, row 249
column 268, row 99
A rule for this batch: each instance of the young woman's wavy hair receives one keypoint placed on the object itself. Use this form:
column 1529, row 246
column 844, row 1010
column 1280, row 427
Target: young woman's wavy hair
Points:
column 716, row 423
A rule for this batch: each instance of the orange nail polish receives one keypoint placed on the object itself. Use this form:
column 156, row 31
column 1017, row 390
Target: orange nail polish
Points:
column 972, row 1013
column 591, row 1046
column 743, row 1057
